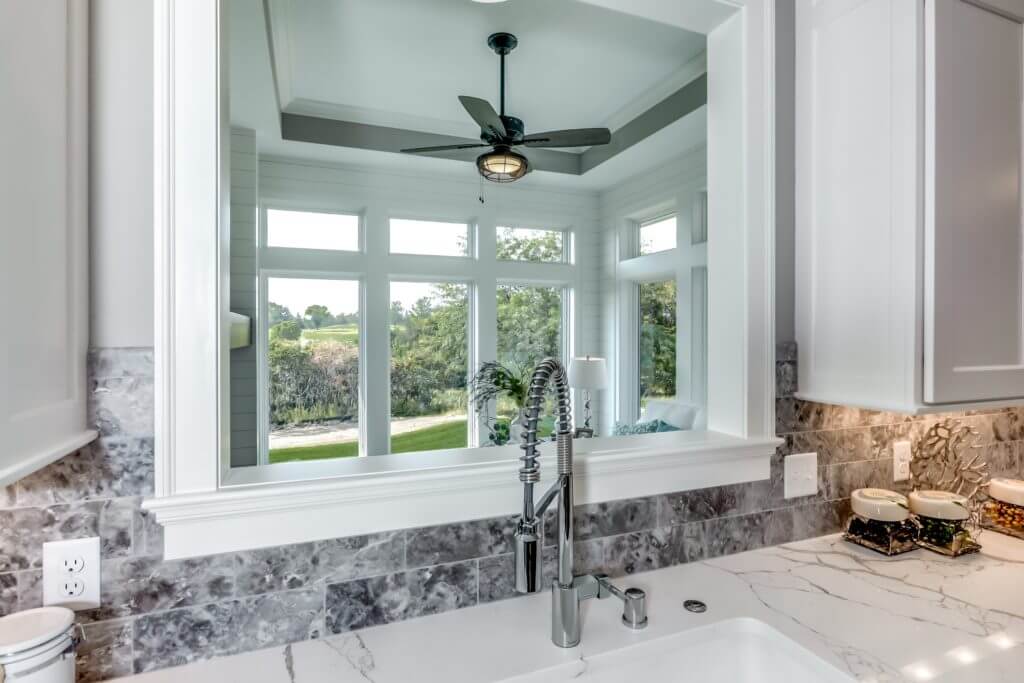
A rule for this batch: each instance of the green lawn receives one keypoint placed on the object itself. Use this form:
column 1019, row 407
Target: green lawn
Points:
column 348, row 334
column 447, row 435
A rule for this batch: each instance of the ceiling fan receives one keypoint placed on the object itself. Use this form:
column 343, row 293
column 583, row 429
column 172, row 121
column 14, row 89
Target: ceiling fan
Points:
column 503, row 164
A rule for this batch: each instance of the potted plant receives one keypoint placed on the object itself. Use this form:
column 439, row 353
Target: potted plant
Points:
column 495, row 381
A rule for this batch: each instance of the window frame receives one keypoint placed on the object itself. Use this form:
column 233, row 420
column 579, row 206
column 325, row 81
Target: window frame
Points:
column 263, row 229
column 568, row 256
column 641, row 224
column 205, row 509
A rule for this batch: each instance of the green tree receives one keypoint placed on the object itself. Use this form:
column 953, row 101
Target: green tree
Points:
column 277, row 313
column 286, row 329
column 658, row 339
column 544, row 249
column 318, row 315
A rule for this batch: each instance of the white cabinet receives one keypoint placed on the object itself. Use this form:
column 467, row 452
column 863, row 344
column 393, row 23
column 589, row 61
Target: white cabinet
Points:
column 43, row 233
column 908, row 199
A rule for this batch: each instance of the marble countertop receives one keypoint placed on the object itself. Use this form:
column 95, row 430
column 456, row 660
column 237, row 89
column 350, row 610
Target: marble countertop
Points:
column 915, row 617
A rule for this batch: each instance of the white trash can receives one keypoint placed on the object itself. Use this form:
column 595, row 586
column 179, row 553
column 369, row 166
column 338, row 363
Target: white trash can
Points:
column 38, row 646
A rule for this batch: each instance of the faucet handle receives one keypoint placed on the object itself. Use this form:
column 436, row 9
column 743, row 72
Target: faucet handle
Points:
column 634, row 602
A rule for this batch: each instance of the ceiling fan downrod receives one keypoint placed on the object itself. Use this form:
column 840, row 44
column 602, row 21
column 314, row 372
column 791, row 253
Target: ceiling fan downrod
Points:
column 502, row 43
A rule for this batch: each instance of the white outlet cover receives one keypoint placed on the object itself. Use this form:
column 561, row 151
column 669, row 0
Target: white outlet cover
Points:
column 61, row 578
column 800, row 475
column 901, row 457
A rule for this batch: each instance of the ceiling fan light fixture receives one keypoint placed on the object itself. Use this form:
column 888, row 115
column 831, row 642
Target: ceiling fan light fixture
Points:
column 502, row 165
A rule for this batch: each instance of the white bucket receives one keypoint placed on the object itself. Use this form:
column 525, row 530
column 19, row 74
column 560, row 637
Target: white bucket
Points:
column 38, row 646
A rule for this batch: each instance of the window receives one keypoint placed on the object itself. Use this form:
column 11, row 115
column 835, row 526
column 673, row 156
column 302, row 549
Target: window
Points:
column 657, row 343
column 429, row 238
column 429, row 365
column 313, row 368
column 529, row 330
column 312, row 230
column 658, row 235
column 527, row 244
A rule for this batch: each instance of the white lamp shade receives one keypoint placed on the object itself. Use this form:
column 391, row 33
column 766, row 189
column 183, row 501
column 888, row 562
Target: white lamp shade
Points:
column 588, row 373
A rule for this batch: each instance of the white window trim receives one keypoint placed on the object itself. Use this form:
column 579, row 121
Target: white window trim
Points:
column 204, row 509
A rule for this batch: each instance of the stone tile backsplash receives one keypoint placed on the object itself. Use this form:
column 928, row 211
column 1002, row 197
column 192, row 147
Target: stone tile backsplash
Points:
column 158, row 613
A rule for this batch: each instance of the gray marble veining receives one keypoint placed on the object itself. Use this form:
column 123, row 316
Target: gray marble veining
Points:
column 404, row 595
column 221, row 628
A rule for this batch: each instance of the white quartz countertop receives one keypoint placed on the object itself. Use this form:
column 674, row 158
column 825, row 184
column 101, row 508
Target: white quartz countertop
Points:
column 916, row 617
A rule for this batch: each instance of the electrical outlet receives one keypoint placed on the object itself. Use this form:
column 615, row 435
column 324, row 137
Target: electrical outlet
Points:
column 901, row 457
column 800, row 475
column 71, row 573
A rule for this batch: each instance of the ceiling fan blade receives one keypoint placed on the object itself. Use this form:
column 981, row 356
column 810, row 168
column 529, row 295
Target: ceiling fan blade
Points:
column 440, row 148
column 485, row 116
column 575, row 137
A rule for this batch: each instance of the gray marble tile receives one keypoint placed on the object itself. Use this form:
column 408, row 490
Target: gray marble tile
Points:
column 148, row 535
column 715, row 501
column 785, row 351
column 105, row 651
column 120, row 362
column 122, row 406
column 395, row 597
column 845, row 417
column 497, row 575
column 729, row 535
column 461, row 541
column 785, row 379
column 8, row 594
column 689, row 543
column 589, row 557
column 1002, row 459
column 358, row 556
column 8, row 496
column 833, row 446
column 108, row 468
column 117, row 525
column 30, row 589
column 640, row 551
column 180, row 636
column 294, row 566
column 140, row 585
column 843, row 479
column 614, row 517
column 24, row 530
column 794, row 415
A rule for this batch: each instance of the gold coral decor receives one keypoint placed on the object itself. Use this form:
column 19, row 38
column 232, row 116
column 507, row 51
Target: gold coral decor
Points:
column 949, row 458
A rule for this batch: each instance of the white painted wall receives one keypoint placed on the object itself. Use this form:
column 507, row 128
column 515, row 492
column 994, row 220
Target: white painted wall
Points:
column 121, row 171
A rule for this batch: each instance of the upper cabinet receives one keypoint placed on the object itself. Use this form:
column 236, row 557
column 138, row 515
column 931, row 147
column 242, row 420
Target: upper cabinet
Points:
column 44, row 247
column 908, row 200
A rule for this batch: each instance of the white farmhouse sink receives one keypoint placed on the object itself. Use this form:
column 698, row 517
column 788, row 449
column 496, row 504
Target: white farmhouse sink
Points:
column 741, row 650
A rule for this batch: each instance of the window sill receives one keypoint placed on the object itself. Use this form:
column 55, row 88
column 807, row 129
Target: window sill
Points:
column 279, row 505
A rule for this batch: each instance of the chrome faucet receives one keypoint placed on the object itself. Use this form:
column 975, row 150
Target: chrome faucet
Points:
column 568, row 590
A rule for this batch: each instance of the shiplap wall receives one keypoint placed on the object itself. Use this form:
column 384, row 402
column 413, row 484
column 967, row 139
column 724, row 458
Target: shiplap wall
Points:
column 244, row 210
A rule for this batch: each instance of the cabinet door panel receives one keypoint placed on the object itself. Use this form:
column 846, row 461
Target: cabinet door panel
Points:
column 974, row 332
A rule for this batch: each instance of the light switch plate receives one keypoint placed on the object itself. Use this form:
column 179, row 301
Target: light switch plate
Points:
column 71, row 573
column 901, row 457
column 800, row 475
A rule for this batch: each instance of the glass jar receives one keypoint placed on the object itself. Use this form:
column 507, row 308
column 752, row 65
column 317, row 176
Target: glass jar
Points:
column 942, row 517
column 881, row 521
column 1005, row 511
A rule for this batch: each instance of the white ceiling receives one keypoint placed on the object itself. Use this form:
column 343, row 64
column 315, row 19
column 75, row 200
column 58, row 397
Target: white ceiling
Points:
column 403, row 63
